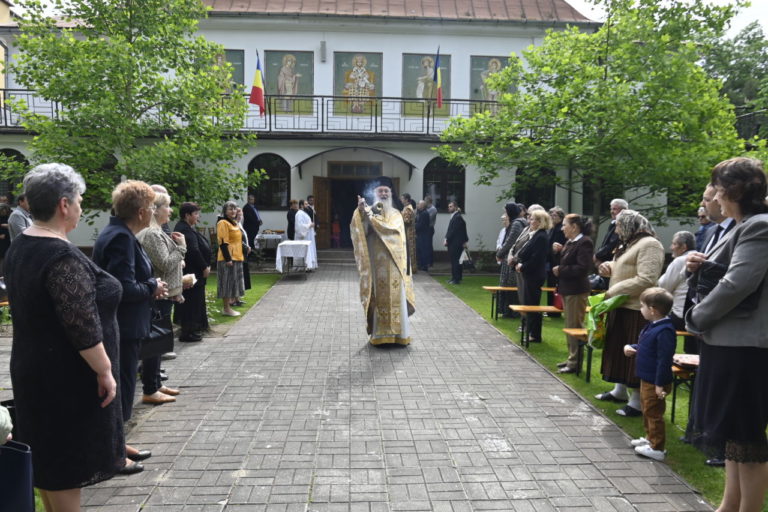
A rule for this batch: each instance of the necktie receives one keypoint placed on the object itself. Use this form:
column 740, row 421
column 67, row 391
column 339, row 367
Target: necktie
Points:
column 715, row 237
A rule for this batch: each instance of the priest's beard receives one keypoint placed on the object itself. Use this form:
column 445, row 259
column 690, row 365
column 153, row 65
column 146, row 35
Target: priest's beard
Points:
column 386, row 205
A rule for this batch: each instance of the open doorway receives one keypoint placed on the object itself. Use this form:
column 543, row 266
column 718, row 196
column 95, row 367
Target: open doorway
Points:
column 344, row 194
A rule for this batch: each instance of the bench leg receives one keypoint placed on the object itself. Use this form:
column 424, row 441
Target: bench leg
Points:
column 675, row 383
column 579, row 358
column 494, row 300
column 589, row 362
column 522, row 330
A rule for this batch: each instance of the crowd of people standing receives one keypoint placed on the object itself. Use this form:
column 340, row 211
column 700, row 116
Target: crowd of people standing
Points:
column 714, row 288
column 65, row 364
column 80, row 323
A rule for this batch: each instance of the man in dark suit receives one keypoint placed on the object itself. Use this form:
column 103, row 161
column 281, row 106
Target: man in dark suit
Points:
column 720, row 229
column 251, row 219
column 704, row 224
column 721, row 226
column 309, row 209
column 455, row 240
column 611, row 239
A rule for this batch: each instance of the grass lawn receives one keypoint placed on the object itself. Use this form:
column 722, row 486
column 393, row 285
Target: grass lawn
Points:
column 682, row 458
column 260, row 284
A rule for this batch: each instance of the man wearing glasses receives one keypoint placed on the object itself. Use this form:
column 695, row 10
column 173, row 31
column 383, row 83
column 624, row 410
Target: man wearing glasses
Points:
column 704, row 224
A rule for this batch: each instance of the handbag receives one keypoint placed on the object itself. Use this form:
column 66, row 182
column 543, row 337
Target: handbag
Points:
column 160, row 339
column 557, row 301
column 466, row 260
column 16, row 476
column 598, row 282
column 709, row 275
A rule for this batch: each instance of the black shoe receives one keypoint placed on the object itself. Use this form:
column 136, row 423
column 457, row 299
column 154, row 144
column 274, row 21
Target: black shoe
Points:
column 238, row 303
column 141, row 455
column 562, row 365
column 567, row 370
column 717, row 463
column 452, row 282
column 131, row 469
column 190, row 337
column 684, row 439
column 163, row 376
column 534, row 340
column 608, row 397
column 629, row 412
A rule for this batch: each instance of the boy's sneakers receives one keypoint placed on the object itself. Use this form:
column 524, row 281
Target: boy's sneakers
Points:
column 646, row 451
column 640, row 441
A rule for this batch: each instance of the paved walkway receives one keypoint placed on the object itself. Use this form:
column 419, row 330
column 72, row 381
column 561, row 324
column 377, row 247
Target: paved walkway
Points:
column 292, row 410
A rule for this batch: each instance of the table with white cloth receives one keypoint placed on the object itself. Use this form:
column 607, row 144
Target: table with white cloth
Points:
column 268, row 240
column 298, row 251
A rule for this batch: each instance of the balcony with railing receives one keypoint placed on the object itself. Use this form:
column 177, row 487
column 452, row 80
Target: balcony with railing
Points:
column 365, row 117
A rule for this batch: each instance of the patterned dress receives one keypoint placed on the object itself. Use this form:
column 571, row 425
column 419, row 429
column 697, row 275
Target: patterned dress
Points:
column 62, row 304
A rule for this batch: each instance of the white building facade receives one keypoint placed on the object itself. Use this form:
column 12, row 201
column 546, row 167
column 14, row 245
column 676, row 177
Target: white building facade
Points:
column 351, row 98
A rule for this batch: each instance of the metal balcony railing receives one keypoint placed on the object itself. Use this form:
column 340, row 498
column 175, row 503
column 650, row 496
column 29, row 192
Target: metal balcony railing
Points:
column 312, row 114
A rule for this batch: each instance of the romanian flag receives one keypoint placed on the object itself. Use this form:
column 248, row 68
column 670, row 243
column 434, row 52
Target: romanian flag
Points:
column 438, row 78
column 257, row 90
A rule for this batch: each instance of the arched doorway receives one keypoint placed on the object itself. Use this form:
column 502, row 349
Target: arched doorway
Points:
column 340, row 175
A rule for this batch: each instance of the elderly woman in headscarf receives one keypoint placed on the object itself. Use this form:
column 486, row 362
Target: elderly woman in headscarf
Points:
column 636, row 266
column 507, row 275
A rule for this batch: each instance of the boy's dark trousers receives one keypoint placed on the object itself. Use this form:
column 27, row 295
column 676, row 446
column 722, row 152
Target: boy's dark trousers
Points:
column 653, row 414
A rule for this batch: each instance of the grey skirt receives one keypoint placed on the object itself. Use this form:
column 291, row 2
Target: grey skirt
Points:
column 230, row 280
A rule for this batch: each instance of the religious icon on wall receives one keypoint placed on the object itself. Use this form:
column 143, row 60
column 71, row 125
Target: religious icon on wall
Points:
column 357, row 77
column 419, row 83
column 480, row 69
column 290, row 74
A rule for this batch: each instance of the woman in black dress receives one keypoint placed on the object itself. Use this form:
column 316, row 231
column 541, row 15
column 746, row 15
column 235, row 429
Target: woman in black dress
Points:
column 532, row 266
column 192, row 313
column 64, row 364
column 507, row 274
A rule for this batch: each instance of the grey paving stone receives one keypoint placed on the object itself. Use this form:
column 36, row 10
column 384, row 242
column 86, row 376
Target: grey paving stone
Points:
column 292, row 411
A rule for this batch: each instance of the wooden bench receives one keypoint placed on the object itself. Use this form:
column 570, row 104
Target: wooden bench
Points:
column 496, row 297
column 524, row 310
column 583, row 337
column 684, row 368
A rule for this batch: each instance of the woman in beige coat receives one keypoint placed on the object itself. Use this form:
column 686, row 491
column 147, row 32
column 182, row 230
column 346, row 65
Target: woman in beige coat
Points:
column 636, row 266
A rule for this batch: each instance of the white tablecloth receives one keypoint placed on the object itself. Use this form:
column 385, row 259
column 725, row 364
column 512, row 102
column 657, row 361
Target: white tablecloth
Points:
column 268, row 241
column 296, row 249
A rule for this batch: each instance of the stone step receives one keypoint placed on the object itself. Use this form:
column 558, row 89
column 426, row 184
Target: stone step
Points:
column 335, row 256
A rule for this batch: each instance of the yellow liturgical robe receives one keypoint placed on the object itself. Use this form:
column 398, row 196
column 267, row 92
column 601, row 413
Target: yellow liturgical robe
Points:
column 386, row 287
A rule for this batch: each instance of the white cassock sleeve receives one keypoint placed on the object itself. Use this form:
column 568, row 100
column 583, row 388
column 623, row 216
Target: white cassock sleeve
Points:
column 302, row 225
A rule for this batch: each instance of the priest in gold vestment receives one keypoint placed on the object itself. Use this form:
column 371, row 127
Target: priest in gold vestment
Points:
column 386, row 286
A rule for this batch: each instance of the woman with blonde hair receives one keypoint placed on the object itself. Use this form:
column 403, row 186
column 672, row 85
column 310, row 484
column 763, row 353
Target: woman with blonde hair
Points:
column 532, row 266
column 118, row 252
column 166, row 254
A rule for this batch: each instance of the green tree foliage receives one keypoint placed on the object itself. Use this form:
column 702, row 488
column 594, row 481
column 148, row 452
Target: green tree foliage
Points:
column 624, row 107
column 137, row 94
column 740, row 63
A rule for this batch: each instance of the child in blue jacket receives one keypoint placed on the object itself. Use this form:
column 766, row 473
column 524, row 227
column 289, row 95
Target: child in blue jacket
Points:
column 655, row 348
